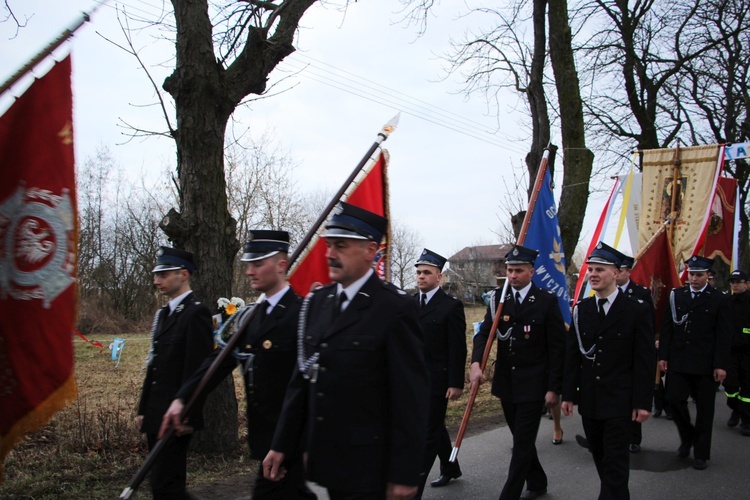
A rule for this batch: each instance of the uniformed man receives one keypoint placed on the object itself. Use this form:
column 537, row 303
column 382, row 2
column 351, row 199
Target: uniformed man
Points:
column 610, row 350
column 694, row 353
column 737, row 382
column 359, row 393
column 638, row 292
column 181, row 338
column 529, row 367
column 267, row 353
column 444, row 325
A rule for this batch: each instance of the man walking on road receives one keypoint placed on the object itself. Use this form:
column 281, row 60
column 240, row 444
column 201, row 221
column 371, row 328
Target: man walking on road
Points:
column 529, row 368
column 610, row 350
column 694, row 353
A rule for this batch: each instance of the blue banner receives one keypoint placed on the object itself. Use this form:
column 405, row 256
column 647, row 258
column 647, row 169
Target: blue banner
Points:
column 544, row 236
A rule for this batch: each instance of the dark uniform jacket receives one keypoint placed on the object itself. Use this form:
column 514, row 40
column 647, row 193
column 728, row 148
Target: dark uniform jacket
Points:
column 444, row 325
column 701, row 343
column 363, row 412
column 273, row 342
column 620, row 378
column 181, row 342
column 530, row 362
column 741, row 316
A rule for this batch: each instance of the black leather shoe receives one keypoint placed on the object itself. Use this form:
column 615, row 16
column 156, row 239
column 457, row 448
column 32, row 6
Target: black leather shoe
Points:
column 669, row 416
column 446, row 477
column 531, row 495
column 699, row 464
column 745, row 428
column 582, row 441
column 684, row 450
column 656, row 414
column 634, row 448
column 734, row 419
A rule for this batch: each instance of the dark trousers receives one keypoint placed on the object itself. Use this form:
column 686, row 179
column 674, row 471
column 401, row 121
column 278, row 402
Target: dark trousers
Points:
column 352, row 495
column 702, row 388
column 737, row 385
column 169, row 472
column 438, row 441
column 523, row 421
column 636, row 433
column 292, row 486
column 608, row 443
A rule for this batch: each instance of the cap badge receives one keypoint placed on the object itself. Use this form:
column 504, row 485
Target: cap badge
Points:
column 515, row 252
column 267, row 344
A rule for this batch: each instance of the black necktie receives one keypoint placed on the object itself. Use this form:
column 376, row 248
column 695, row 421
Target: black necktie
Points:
column 696, row 295
column 602, row 313
column 423, row 300
column 264, row 306
column 163, row 314
column 339, row 304
column 518, row 298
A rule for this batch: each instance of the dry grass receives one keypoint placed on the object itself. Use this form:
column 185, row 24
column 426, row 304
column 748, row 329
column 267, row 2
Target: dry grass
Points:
column 91, row 449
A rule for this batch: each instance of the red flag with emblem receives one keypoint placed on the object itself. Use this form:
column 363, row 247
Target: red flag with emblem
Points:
column 720, row 230
column 369, row 191
column 656, row 270
column 37, row 256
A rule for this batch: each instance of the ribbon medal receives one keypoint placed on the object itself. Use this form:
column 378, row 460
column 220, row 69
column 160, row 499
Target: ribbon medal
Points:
column 526, row 331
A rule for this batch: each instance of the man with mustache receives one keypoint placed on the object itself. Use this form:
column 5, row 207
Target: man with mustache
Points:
column 358, row 395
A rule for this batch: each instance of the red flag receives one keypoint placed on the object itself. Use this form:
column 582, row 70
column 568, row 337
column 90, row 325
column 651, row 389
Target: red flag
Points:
column 369, row 191
column 656, row 270
column 37, row 256
column 721, row 225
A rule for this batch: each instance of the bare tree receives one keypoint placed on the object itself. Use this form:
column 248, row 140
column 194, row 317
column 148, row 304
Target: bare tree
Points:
column 405, row 249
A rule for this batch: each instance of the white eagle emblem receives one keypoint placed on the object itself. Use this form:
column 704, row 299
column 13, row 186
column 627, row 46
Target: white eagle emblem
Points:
column 34, row 242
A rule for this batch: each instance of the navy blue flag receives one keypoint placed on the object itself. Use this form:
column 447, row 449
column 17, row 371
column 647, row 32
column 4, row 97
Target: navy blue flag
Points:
column 543, row 235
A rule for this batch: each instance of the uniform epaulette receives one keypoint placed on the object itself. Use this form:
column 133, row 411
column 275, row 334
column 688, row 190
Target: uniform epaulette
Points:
column 393, row 288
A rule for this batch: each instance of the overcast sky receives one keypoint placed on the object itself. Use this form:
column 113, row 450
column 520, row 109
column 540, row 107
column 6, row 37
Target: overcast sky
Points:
column 448, row 156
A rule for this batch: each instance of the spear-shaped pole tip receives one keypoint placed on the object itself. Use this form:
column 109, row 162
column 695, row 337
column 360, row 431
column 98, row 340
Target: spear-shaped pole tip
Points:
column 391, row 125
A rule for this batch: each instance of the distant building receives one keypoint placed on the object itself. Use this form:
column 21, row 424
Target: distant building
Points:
column 475, row 270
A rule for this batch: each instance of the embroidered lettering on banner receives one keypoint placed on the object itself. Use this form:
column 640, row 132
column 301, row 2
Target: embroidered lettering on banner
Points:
column 37, row 256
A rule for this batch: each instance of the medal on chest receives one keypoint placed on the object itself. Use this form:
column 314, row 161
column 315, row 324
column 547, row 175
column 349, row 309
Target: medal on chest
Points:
column 526, row 331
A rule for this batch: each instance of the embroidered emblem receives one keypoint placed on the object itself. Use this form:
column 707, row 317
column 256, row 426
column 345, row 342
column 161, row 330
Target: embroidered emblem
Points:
column 37, row 237
column 179, row 308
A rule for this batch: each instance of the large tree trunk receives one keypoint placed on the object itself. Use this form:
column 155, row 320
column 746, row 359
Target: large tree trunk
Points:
column 540, row 127
column 203, row 224
column 205, row 95
column 577, row 158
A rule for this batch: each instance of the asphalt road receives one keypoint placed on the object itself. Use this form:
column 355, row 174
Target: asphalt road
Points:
column 655, row 473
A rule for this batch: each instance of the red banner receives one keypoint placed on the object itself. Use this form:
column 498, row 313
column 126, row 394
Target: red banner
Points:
column 368, row 191
column 656, row 270
column 37, row 256
column 721, row 224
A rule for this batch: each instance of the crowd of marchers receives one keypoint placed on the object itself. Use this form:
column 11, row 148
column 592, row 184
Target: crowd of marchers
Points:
column 348, row 386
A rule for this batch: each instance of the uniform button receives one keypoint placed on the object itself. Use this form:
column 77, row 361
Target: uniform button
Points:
column 598, row 364
column 248, row 346
column 598, row 377
column 156, row 341
column 319, row 419
column 600, row 337
column 309, row 337
column 356, row 342
column 598, row 350
column 324, row 345
column 320, row 394
column 153, row 383
column 322, row 369
column 512, row 367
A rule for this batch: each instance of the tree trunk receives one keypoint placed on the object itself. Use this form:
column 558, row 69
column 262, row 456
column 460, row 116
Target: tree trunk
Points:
column 203, row 224
column 577, row 158
column 540, row 127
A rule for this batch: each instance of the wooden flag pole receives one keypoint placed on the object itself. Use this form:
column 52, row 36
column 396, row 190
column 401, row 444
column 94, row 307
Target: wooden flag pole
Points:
column 498, row 314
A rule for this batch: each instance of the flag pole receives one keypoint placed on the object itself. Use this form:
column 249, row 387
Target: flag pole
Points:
column 45, row 52
column 498, row 314
column 140, row 474
column 382, row 136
